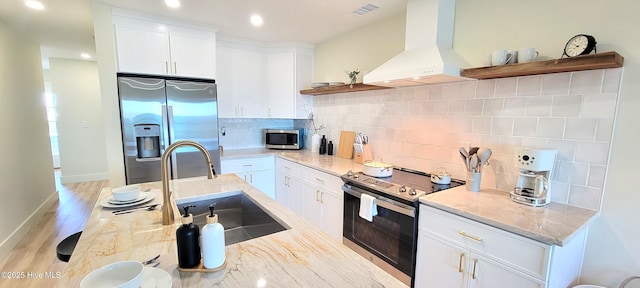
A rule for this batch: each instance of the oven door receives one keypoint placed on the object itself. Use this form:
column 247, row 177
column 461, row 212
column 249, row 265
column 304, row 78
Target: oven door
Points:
column 390, row 236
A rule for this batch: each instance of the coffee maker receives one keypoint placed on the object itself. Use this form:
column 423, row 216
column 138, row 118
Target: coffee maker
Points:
column 532, row 186
column 147, row 140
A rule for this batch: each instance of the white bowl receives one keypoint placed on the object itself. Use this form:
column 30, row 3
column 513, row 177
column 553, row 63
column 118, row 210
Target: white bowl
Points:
column 126, row 193
column 123, row 274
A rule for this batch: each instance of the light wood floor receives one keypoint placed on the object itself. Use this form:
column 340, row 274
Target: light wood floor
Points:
column 36, row 252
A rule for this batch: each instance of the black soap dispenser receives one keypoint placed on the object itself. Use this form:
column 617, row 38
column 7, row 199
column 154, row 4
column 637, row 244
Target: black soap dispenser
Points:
column 323, row 145
column 330, row 148
column 188, row 238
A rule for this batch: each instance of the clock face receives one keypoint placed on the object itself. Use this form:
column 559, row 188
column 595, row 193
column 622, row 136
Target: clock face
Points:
column 576, row 45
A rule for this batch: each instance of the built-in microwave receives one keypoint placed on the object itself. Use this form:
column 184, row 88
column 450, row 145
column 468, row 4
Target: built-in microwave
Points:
column 291, row 139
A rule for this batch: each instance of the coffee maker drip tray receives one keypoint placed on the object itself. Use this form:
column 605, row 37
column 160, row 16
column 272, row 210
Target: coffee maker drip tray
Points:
column 528, row 200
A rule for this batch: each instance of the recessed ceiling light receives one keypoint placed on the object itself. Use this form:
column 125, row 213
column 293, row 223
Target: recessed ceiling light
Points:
column 256, row 20
column 35, row 5
column 172, row 3
column 85, row 56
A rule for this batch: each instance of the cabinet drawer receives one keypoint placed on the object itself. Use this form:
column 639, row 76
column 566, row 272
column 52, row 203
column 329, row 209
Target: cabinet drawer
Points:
column 247, row 164
column 288, row 167
column 322, row 180
column 529, row 256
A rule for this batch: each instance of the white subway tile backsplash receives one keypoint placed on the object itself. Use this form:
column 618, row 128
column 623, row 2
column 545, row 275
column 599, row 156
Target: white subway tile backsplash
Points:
column 422, row 127
column 604, row 130
column 598, row 106
column 566, row 106
column 589, row 81
column 485, row 88
column 468, row 90
column 556, row 84
column 502, row 126
column 506, row 87
column 592, row 152
column 494, row 106
column 529, row 86
column 514, row 107
column 539, row 106
column 525, row 126
column 473, row 107
column 580, row 129
column 611, row 83
column 551, row 127
column 596, row 176
column 585, row 197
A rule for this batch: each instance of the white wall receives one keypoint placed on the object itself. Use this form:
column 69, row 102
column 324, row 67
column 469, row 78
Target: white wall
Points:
column 26, row 170
column 106, row 57
column 364, row 49
column 80, row 130
column 613, row 251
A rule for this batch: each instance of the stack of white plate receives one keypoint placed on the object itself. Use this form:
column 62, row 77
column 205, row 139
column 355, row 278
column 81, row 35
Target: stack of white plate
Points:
column 319, row 84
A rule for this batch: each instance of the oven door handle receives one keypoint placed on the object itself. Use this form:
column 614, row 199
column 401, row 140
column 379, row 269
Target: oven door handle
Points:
column 382, row 201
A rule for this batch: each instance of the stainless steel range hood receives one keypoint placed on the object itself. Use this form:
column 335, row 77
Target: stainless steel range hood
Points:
column 429, row 56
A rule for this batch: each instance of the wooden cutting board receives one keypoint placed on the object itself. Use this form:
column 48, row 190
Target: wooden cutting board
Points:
column 345, row 146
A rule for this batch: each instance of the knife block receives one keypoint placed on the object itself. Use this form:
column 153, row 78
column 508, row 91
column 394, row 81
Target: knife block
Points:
column 367, row 154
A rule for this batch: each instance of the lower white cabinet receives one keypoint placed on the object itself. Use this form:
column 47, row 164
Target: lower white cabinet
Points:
column 323, row 201
column 458, row 252
column 312, row 194
column 257, row 171
column 289, row 185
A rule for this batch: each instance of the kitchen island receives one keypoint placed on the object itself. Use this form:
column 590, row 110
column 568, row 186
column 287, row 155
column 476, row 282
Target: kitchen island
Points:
column 301, row 256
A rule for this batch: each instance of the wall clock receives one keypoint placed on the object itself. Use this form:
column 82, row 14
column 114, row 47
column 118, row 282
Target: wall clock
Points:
column 580, row 44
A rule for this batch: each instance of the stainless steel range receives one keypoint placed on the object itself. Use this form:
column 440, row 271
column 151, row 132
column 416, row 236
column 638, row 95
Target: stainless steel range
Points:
column 390, row 240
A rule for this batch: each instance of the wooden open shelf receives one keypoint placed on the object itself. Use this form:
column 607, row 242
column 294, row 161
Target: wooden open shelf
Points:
column 585, row 62
column 341, row 89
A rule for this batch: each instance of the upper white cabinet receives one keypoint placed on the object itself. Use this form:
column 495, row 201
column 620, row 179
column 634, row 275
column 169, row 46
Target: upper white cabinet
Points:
column 240, row 81
column 286, row 73
column 153, row 47
column 256, row 80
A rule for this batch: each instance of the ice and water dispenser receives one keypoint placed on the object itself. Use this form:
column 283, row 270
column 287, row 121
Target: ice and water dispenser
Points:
column 147, row 140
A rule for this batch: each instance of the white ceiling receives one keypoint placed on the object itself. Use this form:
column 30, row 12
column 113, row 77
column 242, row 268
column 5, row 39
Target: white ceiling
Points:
column 65, row 27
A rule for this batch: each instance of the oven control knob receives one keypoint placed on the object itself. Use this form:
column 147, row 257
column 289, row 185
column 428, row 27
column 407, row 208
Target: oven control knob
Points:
column 412, row 191
column 402, row 189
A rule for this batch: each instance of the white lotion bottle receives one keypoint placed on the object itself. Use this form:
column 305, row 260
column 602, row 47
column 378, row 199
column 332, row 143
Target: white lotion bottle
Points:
column 213, row 245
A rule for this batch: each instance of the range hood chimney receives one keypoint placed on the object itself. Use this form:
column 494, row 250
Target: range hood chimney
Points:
column 429, row 56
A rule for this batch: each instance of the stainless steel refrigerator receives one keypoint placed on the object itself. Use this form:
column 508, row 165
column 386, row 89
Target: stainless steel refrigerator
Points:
column 156, row 111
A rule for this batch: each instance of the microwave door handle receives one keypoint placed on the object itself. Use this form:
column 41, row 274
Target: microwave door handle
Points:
column 383, row 202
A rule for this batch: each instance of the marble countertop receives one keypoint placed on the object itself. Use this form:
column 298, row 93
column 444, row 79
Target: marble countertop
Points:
column 554, row 224
column 327, row 163
column 302, row 256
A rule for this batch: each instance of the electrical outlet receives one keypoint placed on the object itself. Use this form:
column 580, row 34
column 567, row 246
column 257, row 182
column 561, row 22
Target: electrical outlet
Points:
column 85, row 124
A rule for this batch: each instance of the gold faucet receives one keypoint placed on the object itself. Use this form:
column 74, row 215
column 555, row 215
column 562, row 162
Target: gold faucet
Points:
column 167, row 208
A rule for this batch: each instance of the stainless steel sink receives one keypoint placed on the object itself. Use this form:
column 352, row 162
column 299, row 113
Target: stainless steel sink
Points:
column 241, row 217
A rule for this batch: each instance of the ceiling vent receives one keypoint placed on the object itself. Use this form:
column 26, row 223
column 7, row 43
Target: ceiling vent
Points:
column 366, row 9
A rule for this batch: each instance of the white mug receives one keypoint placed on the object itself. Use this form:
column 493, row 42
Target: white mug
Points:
column 500, row 57
column 527, row 55
column 514, row 57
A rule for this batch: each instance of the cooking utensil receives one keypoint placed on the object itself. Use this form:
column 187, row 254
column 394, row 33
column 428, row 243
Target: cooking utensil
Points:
column 441, row 176
column 377, row 169
column 484, row 155
column 464, row 159
column 474, row 163
column 473, row 151
column 135, row 208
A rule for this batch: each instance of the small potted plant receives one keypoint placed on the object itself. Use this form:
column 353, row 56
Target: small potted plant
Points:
column 353, row 76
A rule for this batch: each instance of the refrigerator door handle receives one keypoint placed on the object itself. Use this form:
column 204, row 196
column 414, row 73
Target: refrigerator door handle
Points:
column 174, row 158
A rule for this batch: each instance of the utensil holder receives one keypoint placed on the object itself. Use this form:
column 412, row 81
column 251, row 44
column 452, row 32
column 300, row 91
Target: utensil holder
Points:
column 473, row 181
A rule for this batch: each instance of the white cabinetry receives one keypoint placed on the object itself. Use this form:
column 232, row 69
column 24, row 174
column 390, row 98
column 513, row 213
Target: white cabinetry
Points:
column 286, row 73
column 323, row 201
column 458, row 252
column 152, row 47
column 257, row 171
column 289, row 185
column 240, row 83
